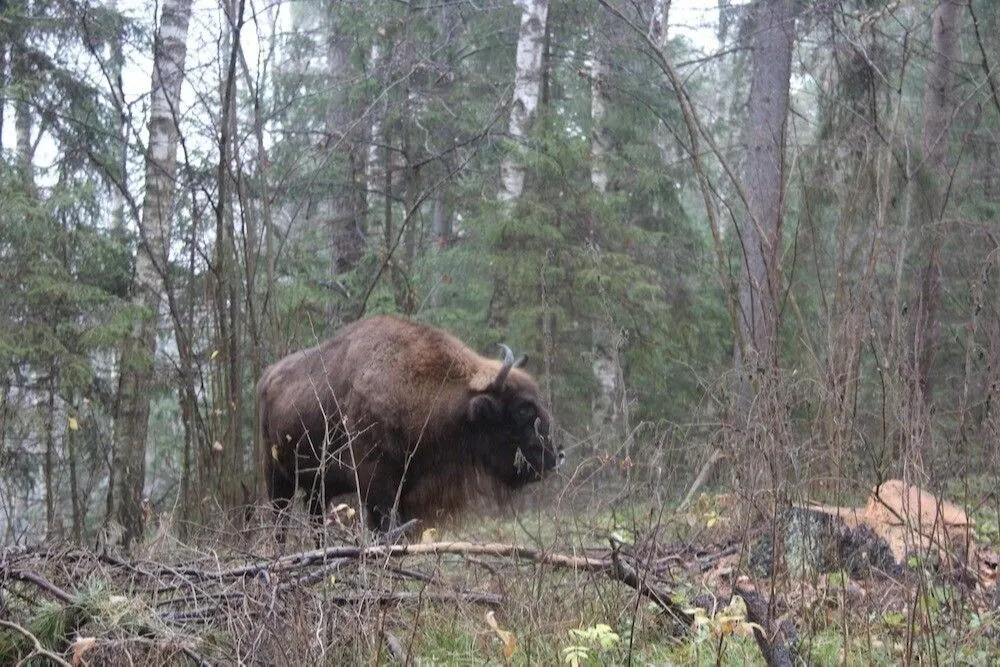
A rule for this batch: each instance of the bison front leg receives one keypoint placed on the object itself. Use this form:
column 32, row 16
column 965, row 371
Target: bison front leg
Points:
column 325, row 487
column 281, row 493
column 317, row 504
column 379, row 500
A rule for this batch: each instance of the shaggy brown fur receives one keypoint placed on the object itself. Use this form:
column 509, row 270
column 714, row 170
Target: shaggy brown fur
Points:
column 404, row 414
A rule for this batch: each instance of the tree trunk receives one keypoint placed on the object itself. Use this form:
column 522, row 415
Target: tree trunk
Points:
column 939, row 110
column 598, row 129
column 758, row 412
column 139, row 347
column 658, row 24
column 409, row 149
column 442, row 240
column 341, row 205
column 527, row 88
column 605, row 339
column 658, row 20
column 226, row 456
column 72, row 459
column 52, row 531
column 760, row 232
column 21, row 72
column 374, row 163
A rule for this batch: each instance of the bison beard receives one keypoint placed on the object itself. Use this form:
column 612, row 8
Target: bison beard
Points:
column 403, row 414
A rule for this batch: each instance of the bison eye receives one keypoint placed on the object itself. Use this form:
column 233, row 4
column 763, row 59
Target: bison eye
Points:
column 525, row 414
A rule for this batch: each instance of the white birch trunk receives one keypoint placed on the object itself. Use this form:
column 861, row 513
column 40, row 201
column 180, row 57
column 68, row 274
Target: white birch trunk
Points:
column 658, row 33
column 598, row 135
column 139, row 348
column 605, row 343
column 658, row 23
column 527, row 88
column 373, row 167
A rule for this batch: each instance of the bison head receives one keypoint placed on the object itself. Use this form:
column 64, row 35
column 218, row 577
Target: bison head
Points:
column 512, row 431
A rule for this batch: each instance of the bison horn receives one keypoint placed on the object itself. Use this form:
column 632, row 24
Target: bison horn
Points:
column 507, row 362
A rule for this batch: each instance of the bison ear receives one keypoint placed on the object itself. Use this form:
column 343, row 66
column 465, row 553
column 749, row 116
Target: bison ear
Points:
column 522, row 362
column 484, row 408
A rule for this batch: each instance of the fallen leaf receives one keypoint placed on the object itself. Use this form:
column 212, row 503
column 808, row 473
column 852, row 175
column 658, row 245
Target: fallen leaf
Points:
column 508, row 639
column 74, row 425
column 81, row 646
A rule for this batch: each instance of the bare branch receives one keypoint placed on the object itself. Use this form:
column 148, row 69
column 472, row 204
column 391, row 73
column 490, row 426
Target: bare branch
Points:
column 39, row 650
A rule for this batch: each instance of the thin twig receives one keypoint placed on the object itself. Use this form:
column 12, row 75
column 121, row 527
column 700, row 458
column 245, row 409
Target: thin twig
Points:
column 626, row 574
column 39, row 650
column 316, row 575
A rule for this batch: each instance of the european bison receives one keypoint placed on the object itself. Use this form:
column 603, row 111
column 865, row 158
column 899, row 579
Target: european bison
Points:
column 405, row 415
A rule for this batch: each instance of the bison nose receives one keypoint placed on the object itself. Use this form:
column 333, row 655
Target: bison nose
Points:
column 560, row 458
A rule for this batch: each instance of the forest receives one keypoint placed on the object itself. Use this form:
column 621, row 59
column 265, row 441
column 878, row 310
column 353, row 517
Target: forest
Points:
column 747, row 247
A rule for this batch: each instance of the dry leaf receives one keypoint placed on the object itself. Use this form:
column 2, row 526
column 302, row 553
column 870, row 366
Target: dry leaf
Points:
column 81, row 646
column 429, row 535
column 508, row 639
column 74, row 425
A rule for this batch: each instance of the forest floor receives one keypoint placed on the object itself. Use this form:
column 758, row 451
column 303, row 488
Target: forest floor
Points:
column 628, row 584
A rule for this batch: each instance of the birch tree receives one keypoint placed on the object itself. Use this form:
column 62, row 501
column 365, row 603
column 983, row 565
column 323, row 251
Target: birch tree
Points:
column 605, row 339
column 139, row 347
column 659, row 36
column 527, row 89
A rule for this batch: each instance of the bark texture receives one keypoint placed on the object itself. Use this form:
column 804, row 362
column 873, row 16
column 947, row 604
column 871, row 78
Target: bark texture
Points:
column 939, row 110
column 527, row 88
column 760, row 277
column 139, row 347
